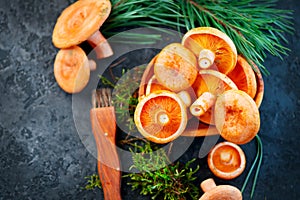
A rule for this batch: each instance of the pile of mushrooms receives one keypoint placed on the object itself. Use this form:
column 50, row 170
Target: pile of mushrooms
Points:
column 220, row 90
column 78, row 23
column 219, row 87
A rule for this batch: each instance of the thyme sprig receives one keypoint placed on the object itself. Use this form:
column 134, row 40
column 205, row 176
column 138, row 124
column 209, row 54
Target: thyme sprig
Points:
column 125, row 99
column 93, row 182
column 159, row 178
column 256, row 27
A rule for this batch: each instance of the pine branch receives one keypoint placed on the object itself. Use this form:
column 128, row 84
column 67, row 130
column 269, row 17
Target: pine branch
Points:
column 256, row 27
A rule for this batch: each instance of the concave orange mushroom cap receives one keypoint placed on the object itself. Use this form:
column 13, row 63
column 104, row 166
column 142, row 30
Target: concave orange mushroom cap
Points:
column 260, row 86
column 213, row 48
column 236, row 116
column 175, row 67
column 226, row 160
column 244, row 77
column 72, row 69
column 161, row 116
column 208, row 85
column 80, row 22
column 220, row 192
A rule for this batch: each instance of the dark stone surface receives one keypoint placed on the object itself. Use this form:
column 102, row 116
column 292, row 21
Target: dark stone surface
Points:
column 41, row 155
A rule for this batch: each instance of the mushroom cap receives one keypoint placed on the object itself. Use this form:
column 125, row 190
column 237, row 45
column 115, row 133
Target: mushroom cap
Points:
column 244, row 77
column 226, row 160
column 147, row 76
column 217, row 42
column 154, row 85
column 175, row 67
column 161, row 116
column 260, row 86
column 71, row 69
column 236, row 116
column 79, row 21
column 221, row 192
column 214, row 82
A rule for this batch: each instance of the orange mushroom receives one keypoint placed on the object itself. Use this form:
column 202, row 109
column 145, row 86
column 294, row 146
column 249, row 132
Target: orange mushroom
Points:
column 175, row 67
column 72, row 69
column 220, row 192
column 213, row 48
column 146, row 79
column 154, row 85
column 161, row 116
column 80, row 22
column 244, row 77
column 236, row 116
column 226, row 160
column 260, row 86
column 207, row 86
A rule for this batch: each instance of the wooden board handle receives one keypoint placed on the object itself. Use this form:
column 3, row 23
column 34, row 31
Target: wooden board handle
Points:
column 104, row 130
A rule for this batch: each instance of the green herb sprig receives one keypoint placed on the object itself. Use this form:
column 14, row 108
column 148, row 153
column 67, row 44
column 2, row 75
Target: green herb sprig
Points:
column 256, row 27
column 93, row 182
column 159, row 178
column 125, row 99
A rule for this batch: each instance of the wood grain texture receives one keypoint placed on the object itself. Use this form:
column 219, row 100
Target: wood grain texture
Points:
column 195, row 128
column 104, row 130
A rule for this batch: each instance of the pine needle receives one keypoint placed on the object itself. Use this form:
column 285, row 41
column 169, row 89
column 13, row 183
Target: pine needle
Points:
column 256, row 27
column 258, row 157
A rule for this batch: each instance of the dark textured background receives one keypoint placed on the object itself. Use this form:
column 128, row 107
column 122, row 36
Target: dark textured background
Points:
column 41, row 155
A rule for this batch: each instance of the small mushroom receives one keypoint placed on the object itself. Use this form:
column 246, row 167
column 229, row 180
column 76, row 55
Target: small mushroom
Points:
column 260, row 86
column 207, row 86
column 213, row 48
column 161, row 116
column 175, row 67
column 226, row 160
column 154, row 85
column 236, row 116
column 244, row 77
column 80, row 22
column 72, row 69
column 213, row 192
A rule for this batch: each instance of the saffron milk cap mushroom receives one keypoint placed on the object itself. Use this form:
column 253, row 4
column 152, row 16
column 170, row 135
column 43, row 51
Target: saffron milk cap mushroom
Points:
column 244, row 77
column 161, row 116
column 175, row 67
column 154, row 85
column 260, row 86
column 226, row 160
column 80, row 22
column 72, row 69
column 207, row 86
column 236, row 116
column 213, row 48
column 220, row 192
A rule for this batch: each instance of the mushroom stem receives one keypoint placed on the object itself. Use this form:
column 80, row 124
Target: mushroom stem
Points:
column 163, row 118
column 202, row 104
column 100, row 45
column 92, row 65
column 225, row 157
column 208, row 185
column 206, row 58
column 185, row 97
